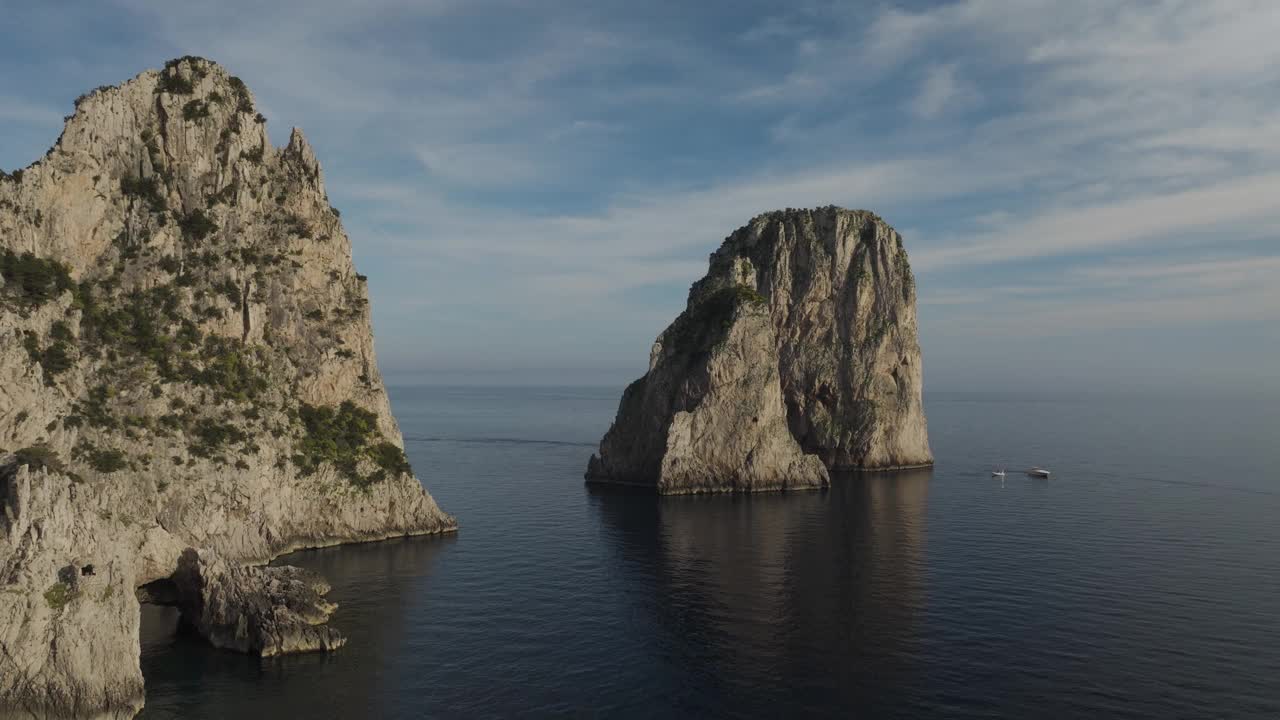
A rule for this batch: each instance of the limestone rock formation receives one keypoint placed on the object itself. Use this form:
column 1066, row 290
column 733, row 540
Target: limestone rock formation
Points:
column 709, row 416
column 186, row 361
column 262, row 611
column 798, row 351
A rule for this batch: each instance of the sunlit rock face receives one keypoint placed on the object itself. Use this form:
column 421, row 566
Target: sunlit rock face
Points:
column 797, row 354
column 187, row 361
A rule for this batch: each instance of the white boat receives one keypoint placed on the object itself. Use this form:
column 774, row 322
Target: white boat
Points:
column 997, row 473
column 1038, row 472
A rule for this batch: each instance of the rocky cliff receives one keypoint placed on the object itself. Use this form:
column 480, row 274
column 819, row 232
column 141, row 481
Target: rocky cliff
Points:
column 187, row 362
column 797, row 353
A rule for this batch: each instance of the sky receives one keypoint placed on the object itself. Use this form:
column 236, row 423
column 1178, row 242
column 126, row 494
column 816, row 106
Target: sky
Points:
column 1088, row 190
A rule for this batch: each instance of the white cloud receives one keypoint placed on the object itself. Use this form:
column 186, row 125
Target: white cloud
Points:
column 478, row 164
column 772, row 29
column 939, row 90
column 1261, row 136
column 1109, row 295
column 1115, row 225
column 1216, row 273
column 1091, row 130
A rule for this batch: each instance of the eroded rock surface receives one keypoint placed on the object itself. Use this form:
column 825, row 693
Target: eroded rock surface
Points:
column 709, row 415
column 186, row 360
column 797, row 350
column 68, row 617
column 262, row 611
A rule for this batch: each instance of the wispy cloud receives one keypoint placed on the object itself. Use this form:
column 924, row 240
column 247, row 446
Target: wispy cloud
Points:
column 577, row 160
column 1233, row 207
column 1134, row 295
column 940, row 90
column 478, row 164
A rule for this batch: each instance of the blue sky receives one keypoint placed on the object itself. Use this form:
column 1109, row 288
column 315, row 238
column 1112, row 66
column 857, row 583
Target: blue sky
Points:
column 1088, row 190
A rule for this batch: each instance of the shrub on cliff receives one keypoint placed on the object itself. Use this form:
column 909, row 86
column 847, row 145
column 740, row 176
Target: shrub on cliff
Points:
column 58, row 595
column 244, row 103
column 195, row 110
column 229, row 370
column 56, row 359
column 39, row 457
column 390, row 457
column 107, row 460
column 343, row 437
column 174, row 84
column 147, row 189
column 197, row 226
column 713, row 313
column 32, row 280
column 210, row 436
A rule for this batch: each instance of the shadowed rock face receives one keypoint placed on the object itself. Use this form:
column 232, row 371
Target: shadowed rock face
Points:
column 803, row 337
column 187, row 362
column 261, row 611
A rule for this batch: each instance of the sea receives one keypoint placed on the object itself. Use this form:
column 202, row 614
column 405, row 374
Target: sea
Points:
column 1142, row 580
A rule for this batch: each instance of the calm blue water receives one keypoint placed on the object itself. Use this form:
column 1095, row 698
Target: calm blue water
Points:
column 1142, row 581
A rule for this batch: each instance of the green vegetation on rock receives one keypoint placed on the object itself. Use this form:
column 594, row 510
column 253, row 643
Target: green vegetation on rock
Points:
column 104, row 460
column 86, row 96
column 390, row 457
column 344, row 437
column 244, row 102
column 174, row 84
column 209, row 437
column 55, row 359
column 32, row 281
column 904, row 269
column 160, row 347
column 195, row 110
column 230, row 370
column 94, row 409
column 230, row 290
column 147, row 189
column 58, row 595
column 40, row 457
column 176, row 356
column 197, row 226
column 713, row 314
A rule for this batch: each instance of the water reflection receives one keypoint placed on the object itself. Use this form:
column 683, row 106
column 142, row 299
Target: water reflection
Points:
column 816, row 594
column 379, row 587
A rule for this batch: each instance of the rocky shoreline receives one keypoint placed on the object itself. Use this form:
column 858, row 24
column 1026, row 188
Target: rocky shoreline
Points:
column 188, row 387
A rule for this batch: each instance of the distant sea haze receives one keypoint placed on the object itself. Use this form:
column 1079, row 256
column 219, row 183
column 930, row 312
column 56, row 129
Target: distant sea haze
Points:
column 1140, row 581
column 939, row 380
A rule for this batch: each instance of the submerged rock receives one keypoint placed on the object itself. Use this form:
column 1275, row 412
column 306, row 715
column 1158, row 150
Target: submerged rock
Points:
column 262, row 611
column 186, row 360
column 797, row 352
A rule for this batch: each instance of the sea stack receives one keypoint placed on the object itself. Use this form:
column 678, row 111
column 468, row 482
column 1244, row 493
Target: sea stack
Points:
column 187, row 371
column 796, row 354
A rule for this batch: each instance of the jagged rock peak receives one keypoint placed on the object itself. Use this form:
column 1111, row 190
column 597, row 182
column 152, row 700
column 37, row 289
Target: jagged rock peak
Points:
column 305, row 157
column 813, row 307
column 186, row 361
